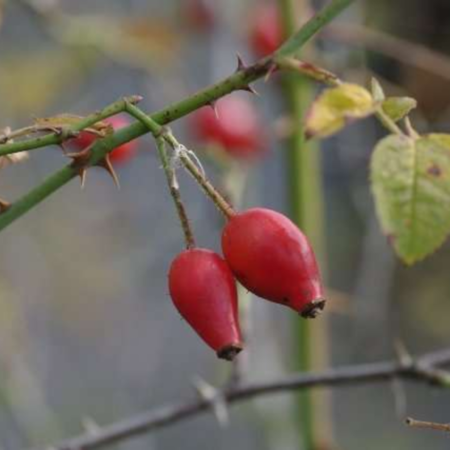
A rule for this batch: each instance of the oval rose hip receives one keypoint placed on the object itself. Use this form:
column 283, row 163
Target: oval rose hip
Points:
column 272, row 258
column 203, row 290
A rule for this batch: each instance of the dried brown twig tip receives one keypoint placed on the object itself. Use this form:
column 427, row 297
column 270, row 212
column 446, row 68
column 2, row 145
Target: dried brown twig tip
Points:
column 134, row 99
column 427, row 425
column 230, row 351
column 4, row 205
column 5, row 134
column 313, row 309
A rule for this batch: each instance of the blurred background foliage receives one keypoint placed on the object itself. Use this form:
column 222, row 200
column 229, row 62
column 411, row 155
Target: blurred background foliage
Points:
column 87, row 330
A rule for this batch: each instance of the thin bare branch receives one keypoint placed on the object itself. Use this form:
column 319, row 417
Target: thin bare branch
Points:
column 419, row 370
column 402, row 50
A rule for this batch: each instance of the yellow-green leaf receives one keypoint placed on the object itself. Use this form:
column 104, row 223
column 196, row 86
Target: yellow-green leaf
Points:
column 336, row 107
column 411, row 185
column 377, row 91
column 398, row 107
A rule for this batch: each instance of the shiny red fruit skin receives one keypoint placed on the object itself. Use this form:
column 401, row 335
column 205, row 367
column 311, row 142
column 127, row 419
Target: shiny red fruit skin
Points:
column 236, row 127
column 203, row 290
column 121, row 154
column 266, row 32
column 272, row 258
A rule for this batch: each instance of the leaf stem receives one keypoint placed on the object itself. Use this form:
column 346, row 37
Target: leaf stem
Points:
column 387, row 122
column 183, row 154
column 175, row 193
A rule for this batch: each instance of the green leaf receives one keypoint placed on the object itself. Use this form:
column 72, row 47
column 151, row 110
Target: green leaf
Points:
column 377, row 91
column 411, row 185
column 336, row 107
column 398, row 107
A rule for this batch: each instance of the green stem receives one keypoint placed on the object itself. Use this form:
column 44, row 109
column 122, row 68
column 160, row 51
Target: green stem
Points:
column 238, row 80
column 175, row 193
column 294, row 44
column 305, row 196
column 387, row 122
column 58, row 138
column 198, row 176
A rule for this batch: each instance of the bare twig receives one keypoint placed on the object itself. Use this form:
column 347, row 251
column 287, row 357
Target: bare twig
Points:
column 429, row 425
column 419, row 370
column 407, row 52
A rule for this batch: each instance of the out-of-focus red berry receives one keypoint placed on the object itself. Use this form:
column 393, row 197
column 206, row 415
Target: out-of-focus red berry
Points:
column 203, row 290
column 119, row 155
column 266, row 32
column 199, row 15
column 236, row 127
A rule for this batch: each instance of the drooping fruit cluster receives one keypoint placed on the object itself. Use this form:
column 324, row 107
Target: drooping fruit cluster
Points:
column 233, row 125
column 267, row 254
column 121, row 154
column 266, row 30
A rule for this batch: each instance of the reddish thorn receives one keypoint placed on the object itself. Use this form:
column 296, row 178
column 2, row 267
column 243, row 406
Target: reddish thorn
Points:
column 82, row 174
column 63, row 148
column 105, row 163
column 241, row 65
column 273, row 67
column 214, row 107
column 250, row 89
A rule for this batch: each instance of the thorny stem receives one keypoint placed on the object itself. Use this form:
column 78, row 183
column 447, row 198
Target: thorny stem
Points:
column 58, row 137
column 191, row 167
column 175, row 193
column 239, row 80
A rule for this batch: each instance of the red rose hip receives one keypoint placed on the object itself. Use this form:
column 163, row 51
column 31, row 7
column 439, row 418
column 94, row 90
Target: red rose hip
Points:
column 272, row 258
column 266, row 32
column 236, row 128
column 203, row 290
column 120, row 154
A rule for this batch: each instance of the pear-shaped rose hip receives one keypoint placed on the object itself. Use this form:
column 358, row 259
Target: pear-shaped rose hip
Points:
column 272, row 258
column 203, row 290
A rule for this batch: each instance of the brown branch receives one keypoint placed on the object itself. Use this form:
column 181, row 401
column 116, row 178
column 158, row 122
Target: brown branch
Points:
column 422, row 369
column 429, row 425
column 402, row 50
